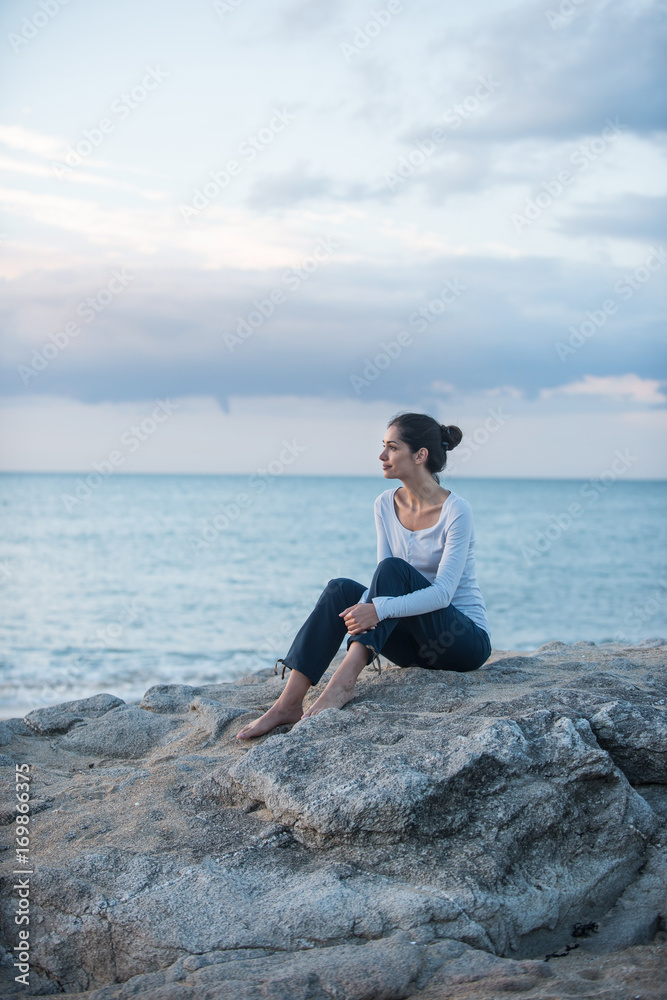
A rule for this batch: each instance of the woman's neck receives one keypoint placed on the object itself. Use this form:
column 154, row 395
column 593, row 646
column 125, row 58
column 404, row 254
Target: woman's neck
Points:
column 420, row 495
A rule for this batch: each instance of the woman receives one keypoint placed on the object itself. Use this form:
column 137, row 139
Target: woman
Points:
column 423, row 607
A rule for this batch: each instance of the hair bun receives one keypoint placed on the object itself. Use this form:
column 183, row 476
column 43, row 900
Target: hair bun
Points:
column 451, row 436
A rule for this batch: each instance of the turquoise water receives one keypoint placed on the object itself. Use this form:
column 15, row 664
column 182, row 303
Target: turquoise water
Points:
column 145, row 579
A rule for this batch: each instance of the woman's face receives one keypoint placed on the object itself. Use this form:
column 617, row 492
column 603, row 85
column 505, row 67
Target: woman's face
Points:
column 397, row 459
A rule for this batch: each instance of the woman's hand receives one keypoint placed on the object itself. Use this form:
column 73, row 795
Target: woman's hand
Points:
column 360, row 618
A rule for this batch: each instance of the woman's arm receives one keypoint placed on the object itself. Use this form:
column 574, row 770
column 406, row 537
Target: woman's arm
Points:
column 450, row 569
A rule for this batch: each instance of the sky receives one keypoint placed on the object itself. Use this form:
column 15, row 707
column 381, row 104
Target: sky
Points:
column 232, row 227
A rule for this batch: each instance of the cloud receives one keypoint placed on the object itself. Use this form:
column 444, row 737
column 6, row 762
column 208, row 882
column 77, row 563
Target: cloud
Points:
column 289, row 188
column 619, row 387
column 224, row 238
column 75, row 176
column 501, row 330
column 630, row 217
column 311, row 15
column 446, row 388
column 295, row 185
column 48, row 147
column 29, row 141
column 607, row 60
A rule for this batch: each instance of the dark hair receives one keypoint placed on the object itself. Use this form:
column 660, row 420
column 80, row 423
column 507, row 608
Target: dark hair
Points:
column 418, row 430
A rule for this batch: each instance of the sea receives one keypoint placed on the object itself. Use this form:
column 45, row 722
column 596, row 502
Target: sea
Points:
column 116, row 583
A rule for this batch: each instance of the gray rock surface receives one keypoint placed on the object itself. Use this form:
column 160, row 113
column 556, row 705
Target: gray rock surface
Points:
column 61, row 718
column 125, row 732
column 636, row 738
column 442, row 835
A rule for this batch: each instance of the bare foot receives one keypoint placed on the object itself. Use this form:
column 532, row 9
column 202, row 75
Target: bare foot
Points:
column 277, row 715
column 336, row 694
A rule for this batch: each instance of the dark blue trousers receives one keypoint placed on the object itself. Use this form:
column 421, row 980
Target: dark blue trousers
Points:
column 438, row 640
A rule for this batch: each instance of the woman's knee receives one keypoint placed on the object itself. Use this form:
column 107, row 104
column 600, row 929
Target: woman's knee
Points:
column 344, row 585
column 391, row 564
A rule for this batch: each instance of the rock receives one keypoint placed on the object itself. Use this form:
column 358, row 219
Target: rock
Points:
column 11, row 728
column 213, row 716
column 656, row 796
column 510, row 797
column 555, row 646
column 497, row 977
column 442, row 835
column 169, row 698
column 173, row 698
column 636, row 916
column 61, row 718
column 123, row 732
column 388, row 968
column 362, row 778
column 636, row 738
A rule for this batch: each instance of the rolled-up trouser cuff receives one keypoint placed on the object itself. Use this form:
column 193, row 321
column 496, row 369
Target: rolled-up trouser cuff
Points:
column 275, row 668
column 375, row 656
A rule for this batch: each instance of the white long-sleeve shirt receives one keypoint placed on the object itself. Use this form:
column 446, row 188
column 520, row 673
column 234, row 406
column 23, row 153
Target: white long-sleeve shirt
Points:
column 443, row 553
